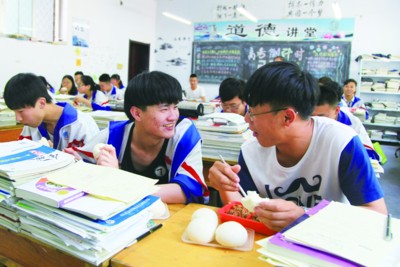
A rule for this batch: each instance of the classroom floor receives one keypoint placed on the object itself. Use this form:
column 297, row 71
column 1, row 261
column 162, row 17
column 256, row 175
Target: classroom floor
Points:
column 390, row 180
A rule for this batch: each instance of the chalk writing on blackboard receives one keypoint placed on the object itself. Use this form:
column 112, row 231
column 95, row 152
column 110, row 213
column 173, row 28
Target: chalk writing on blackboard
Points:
column 215, row 61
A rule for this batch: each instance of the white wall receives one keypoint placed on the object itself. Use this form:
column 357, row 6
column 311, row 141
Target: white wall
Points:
column 376, row 28
column 111, row 28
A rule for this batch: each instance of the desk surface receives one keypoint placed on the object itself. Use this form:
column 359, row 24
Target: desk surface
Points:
column 164, row 248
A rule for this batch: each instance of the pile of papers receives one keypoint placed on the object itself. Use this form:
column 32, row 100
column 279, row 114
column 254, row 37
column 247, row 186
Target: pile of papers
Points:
column 334, row 234
column 86, row 210
column 223, row 134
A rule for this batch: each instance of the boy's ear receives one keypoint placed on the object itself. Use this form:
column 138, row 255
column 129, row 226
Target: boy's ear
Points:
column 136, row 113
column 42, row 102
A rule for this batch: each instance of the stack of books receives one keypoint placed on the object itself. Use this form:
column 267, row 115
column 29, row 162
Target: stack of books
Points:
column 383, row 118
column 335, row 234
column 223, row 134
column 86, row 210
column 102, row 117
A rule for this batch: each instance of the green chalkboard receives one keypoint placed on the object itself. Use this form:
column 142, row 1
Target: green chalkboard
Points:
column 215, row 61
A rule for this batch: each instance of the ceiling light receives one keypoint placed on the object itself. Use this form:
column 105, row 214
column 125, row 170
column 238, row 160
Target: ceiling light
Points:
column 247, row 14
column 169, row 15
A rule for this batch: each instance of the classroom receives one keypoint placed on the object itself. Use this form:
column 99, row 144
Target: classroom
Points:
column 114, row 35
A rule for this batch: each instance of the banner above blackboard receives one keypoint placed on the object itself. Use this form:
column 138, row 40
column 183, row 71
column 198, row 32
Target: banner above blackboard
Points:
column 215, row 61
column 275, row 30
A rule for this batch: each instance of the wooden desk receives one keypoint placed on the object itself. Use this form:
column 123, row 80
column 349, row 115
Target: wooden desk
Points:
column 10, row 133
column 165, row 248
column 19, row 250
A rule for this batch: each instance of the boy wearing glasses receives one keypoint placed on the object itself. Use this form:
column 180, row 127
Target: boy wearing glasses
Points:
column 231, row 95
column 295, row 160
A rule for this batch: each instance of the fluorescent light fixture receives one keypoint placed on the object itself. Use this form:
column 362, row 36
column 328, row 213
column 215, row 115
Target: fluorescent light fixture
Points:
column 247, row 14
column 172, row 16
column 336, row 10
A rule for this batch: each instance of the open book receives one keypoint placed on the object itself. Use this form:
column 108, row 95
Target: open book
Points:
column 337, row 235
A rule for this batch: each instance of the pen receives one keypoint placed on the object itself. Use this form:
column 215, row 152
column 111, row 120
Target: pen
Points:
column 388, row 235
column 240, row 188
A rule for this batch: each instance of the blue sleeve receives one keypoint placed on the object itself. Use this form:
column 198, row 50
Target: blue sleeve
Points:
column 98, row 107
column 246, row 182
column 190, row 187
column 356, row 176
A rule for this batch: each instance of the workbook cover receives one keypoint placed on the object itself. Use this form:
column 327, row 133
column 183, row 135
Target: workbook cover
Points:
column 46, row 192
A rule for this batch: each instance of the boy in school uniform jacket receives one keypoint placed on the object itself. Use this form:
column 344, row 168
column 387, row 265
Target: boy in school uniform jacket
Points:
column 60, row 123
column 154, row 142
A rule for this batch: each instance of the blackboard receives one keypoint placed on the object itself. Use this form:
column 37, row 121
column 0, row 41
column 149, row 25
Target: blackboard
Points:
column 215, row 61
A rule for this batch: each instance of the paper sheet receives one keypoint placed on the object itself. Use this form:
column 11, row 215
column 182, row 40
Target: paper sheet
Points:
column 104, row 181
column 354, row 233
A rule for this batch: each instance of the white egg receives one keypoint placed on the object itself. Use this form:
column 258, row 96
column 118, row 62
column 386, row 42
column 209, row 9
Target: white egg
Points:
column 207, row 214
column 231, row 234
column 252, row 200
column 200, row 230
column 96, row 150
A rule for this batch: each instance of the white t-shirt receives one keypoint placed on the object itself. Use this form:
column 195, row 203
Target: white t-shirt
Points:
column 195, row 94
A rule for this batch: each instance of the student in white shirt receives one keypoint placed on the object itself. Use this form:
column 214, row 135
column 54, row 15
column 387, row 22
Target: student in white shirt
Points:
column 195, row 92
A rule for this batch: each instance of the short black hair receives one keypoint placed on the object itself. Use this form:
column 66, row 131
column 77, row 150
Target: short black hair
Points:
column 283, row 84
column 350, row 81
column 79, row 73
column 330, row 93
column 231, row 88
column 193, row 75
column 105, row 78
column 324, row 80
column 151, row 88
column 23, row 90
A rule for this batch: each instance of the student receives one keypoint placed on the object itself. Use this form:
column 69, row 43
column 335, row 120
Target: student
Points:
column 295, row 160
column 92, row 96
column 60, row 123
column 154, row 142
column 116, row 81
column 67, row 86
column 352, row 101
column 328, row 106
column 231, row 95
column 78, row 75
column 195, row 92
column 111, row 92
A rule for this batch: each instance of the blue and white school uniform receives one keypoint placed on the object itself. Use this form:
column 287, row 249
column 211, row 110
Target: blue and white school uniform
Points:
column 335, row 167
column 356, row 102
column 74, row 128
column 99, row 101
column 179, row 161
column 115, row 94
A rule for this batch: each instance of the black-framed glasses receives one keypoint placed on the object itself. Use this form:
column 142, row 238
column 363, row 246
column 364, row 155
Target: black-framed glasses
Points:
column 252, row 115
column 231, row 106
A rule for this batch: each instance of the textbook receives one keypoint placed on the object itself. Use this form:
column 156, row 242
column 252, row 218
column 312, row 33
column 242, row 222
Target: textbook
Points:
column 46, row 192
column 25, row 159
column 222, row 122
column 336, row 234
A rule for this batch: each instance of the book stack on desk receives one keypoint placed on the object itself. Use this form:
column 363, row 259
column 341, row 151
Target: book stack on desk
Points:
column 89, row 211
column 223, row 134
column 336, row 234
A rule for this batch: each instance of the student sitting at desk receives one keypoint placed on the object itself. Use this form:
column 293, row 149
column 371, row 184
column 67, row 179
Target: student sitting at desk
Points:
column 231, row 95
column 328, row 106
column 195, row 92
column 295, row 160
column 354, row 103
column 111, row 92
column 92, row 96
column 67, row 86
column 60, row 123
column 154, row 142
